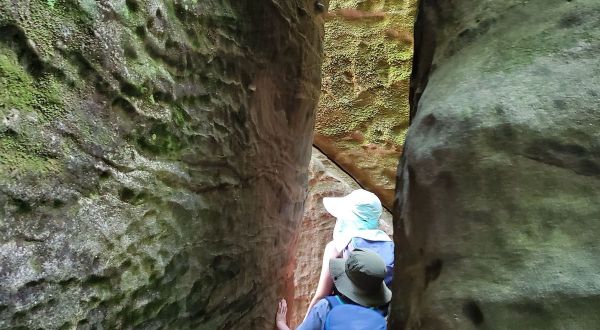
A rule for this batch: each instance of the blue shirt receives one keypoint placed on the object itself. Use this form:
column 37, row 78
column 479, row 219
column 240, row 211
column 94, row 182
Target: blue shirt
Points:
column 316, row 316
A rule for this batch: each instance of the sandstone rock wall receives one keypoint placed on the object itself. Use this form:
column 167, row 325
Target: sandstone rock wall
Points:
column 497, row 214
column 153, row 159
column 363, row 111
column 325, row 179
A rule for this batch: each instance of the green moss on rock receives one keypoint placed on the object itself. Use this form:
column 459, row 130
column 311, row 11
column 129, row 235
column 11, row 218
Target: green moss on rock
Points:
column 16, row 86
column 128, row 135
column 368, row 60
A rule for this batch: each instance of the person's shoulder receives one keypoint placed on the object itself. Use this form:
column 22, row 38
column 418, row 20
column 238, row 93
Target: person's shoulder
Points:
column 316, row 316
column 377, row 235
column 322, row 308
column 322, row 304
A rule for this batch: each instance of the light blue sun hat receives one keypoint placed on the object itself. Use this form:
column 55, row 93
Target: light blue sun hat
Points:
column 360, row 209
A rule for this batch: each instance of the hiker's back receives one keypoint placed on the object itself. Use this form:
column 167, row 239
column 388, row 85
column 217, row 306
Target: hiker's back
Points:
column 343, row 316
column 385, row 249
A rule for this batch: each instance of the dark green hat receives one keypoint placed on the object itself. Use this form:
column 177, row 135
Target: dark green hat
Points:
column 360, row 278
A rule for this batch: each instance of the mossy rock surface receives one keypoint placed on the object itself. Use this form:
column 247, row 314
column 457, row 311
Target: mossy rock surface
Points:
column 153, row 160
column 496, row 211
column 363, row 112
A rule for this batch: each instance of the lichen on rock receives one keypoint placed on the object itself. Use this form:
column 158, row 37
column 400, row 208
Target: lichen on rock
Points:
column 497, row 211
column 153, row 159
column 363, row 111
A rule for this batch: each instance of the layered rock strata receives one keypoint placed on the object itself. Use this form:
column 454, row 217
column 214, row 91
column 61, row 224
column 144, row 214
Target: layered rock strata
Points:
column 497, row 215
column 363, row 111
column 153, row 160
column 325, row 179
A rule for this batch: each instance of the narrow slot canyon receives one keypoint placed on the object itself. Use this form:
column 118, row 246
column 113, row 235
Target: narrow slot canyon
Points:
column 360, row 123
column 163, row 163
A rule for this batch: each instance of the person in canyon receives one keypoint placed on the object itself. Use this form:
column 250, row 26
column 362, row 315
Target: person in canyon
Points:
column 360, row 300
column 357, row 226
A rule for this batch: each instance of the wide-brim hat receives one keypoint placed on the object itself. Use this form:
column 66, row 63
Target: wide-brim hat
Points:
column 361, row 278
column 361, row 206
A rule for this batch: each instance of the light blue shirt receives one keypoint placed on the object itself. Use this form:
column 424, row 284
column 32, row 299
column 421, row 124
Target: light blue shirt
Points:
column 316, row 316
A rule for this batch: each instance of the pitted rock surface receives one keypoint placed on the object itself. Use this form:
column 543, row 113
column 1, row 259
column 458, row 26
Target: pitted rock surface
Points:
column 497, row 212
column 153, row 160
column 363, row 112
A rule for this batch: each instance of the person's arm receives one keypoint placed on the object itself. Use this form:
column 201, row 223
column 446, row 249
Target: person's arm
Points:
column 325, row 285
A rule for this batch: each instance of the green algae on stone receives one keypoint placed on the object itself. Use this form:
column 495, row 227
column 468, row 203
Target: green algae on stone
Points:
column 16, row 86
column 21, row 157
column 367, row 66
column 128, row 134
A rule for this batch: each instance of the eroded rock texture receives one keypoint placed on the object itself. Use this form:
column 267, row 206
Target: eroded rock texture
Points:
column 325, row 179
column 497, row 216
column 363, row 111
column 152, row 159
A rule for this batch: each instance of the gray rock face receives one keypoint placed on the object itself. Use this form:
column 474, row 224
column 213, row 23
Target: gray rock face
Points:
column 497, row 200
column 153, row 160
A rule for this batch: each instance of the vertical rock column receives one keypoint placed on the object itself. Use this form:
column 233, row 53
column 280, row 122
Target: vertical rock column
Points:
column 497, row 201
column 153, row 160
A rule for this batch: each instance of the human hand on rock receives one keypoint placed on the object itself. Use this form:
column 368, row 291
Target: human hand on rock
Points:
column 280, row 319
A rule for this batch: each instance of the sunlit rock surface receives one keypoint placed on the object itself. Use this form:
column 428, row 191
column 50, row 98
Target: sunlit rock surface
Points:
column 363, row 111
column 498, row 215
column 325, row 179
column 153, row 160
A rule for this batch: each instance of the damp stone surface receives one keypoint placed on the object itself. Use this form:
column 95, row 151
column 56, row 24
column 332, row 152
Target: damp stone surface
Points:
column 153, row 160
column 497, row 211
